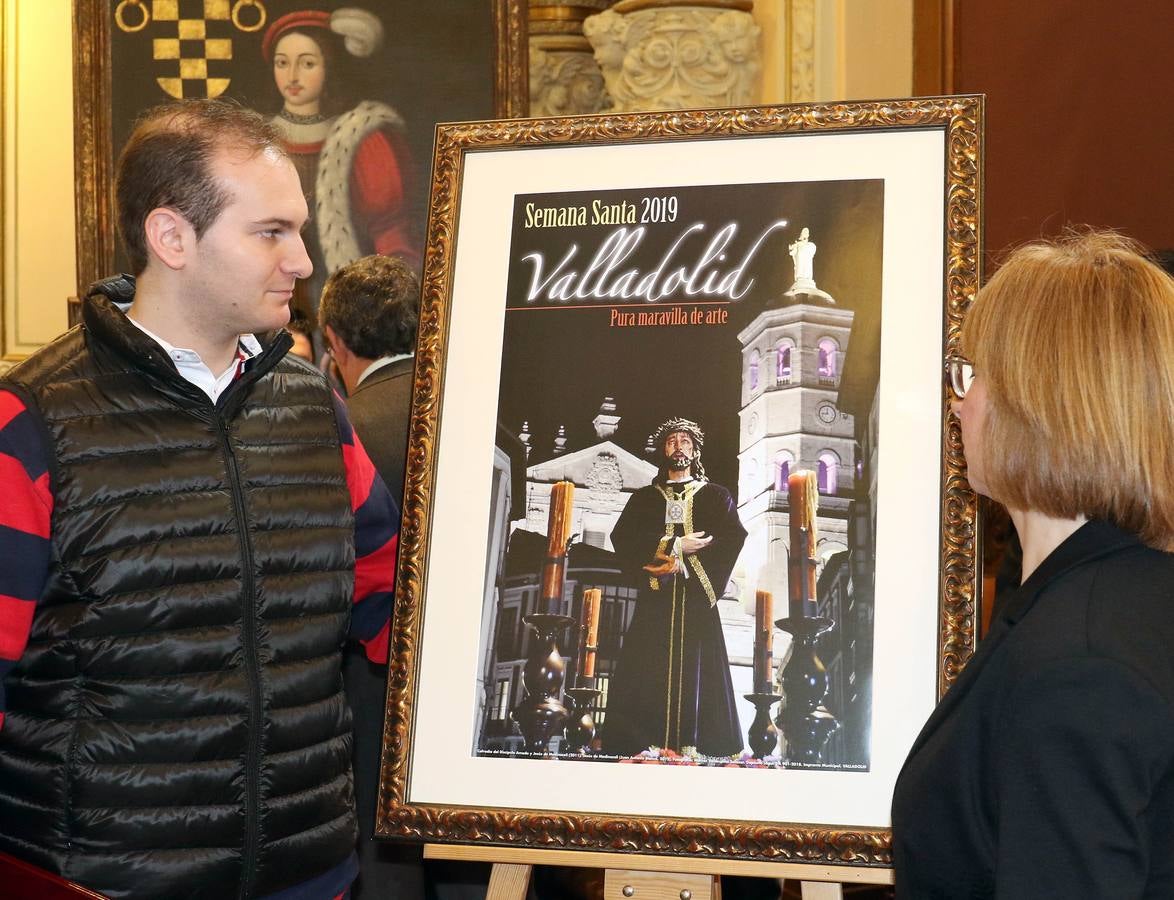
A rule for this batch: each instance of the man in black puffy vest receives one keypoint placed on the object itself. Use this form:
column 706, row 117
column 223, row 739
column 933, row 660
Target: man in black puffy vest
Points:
column 183, row 510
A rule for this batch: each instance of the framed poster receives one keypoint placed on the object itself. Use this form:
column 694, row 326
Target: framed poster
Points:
column 703, row 350
column 356, row 88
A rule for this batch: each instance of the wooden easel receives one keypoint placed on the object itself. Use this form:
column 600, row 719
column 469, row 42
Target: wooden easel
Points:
column 639, row 877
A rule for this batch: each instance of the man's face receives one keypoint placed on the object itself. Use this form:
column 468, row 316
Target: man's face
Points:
column 678, row 449
column 241, row 277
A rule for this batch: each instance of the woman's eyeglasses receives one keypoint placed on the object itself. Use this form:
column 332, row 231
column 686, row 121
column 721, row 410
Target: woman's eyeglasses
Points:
column 961, row 373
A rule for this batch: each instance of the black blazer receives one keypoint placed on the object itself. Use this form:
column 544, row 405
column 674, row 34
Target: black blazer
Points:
column 1047, row 771
column 379, row 409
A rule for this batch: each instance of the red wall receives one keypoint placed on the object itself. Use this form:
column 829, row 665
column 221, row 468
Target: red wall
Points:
column 1079, row 115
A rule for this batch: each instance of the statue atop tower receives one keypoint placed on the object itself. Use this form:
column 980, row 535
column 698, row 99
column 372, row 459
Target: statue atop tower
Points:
column 803, row 289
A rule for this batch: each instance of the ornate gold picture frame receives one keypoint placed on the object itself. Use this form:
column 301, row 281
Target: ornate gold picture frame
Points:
column 133, row 54
column 911, row 168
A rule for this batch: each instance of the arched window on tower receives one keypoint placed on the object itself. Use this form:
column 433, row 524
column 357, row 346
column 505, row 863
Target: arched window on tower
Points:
column 755, row 360
column 827, row 358
column 825, row 473
column 782, row 470
column 783, row 363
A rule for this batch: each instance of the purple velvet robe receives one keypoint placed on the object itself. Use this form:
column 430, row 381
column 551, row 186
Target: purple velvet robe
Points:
column 671, row 687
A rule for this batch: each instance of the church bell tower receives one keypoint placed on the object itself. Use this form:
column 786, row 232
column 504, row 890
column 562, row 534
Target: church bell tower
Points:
column 792, row 360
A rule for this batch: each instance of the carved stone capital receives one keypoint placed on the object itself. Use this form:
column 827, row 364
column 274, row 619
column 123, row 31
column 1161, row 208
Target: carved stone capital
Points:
column 564, row 77
column 666, row 55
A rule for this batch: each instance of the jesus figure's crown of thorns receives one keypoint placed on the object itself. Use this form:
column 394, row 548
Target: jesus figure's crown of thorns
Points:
column 678, row 424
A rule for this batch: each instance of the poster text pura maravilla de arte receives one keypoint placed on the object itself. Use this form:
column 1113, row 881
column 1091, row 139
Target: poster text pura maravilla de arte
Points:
column 674, row 315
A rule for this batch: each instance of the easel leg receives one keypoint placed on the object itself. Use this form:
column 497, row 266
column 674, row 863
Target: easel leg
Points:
column 508, row 881
column 822, row 890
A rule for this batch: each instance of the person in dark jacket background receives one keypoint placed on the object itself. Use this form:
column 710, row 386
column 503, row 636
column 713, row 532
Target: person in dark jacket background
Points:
column 190, row 533
column 1047, row 771
column 368, row 315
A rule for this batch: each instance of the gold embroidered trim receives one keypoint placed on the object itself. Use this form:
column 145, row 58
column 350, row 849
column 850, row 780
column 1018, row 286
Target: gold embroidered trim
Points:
column 687, row 497
column 668, row 695
column 690, row 489
column 662, row 547
column 703, row 578
column 680, row 660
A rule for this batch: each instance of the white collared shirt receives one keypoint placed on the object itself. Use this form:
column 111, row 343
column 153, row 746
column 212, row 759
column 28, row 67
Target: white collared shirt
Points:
column 193, row 369
column 380, row 363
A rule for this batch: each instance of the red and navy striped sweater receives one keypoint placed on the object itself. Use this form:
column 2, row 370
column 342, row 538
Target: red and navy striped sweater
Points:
column 26, row 506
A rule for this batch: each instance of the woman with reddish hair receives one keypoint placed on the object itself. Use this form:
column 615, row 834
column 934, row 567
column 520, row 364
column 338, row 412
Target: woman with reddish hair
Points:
column 1047, row 771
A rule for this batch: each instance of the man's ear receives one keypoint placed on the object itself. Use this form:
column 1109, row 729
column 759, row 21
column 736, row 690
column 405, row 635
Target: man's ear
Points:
column 170, row 237
column 337, row 348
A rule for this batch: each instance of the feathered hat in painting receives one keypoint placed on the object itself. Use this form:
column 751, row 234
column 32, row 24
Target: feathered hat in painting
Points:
column 361, row 31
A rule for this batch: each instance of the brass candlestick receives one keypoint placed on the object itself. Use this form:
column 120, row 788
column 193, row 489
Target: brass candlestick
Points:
column 541, row 713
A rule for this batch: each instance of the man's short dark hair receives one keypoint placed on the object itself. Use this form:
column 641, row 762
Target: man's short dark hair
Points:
column 373, row 306
column 167, row 162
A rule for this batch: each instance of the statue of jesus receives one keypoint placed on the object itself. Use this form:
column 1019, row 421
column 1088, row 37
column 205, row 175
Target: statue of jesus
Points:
column 802, row 251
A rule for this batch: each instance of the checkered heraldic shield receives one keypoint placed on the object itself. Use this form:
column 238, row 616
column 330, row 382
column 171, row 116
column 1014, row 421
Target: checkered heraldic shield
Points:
column 191, row 40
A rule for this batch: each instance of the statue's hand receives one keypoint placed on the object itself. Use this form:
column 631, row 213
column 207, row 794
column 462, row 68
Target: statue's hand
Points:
column 694, row 541
column 663, row 565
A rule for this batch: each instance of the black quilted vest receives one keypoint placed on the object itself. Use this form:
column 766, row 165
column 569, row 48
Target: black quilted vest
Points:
column 177, row 727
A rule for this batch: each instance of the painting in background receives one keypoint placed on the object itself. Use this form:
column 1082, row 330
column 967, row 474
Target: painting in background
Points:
column 356, row 88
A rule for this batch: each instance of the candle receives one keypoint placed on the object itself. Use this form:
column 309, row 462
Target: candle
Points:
column 558, row 530
column 558, row 523
column 592, row 599
column 763, row 636
column 803, row 495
